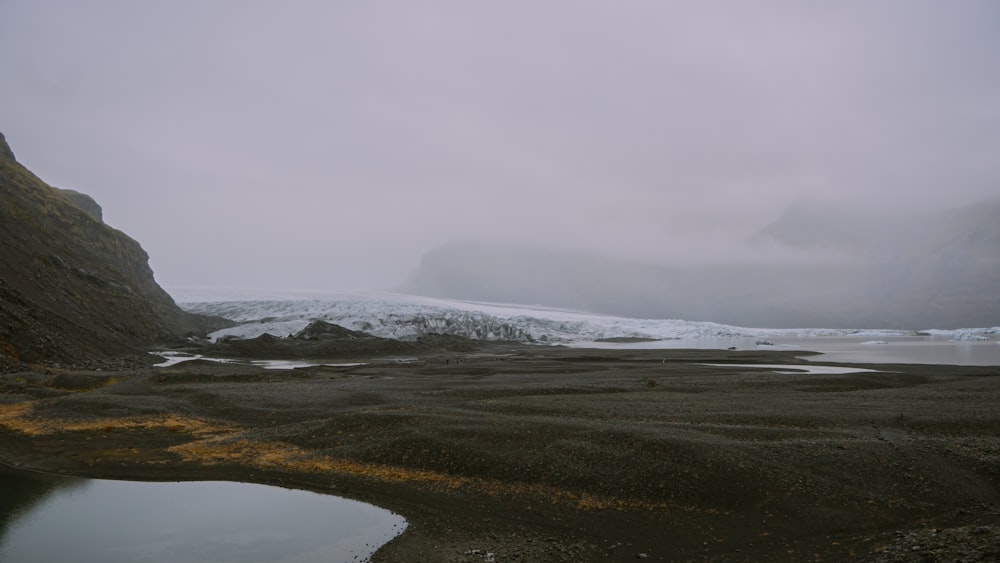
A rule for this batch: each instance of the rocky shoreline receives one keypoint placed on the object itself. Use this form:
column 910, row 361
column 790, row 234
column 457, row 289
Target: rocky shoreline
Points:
column 506, row 452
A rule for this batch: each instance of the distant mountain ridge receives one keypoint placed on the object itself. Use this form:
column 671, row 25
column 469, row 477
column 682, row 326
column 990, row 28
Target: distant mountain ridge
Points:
column 823, row 225
column 938, row 270
column 73, row 289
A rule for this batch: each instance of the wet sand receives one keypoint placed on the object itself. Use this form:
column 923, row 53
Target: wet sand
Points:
column 519, row 453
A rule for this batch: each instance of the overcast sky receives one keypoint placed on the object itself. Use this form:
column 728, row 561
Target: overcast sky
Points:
column 328, row 145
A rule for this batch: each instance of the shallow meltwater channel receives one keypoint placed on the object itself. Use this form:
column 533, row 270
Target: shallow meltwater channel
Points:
column 48, row 518
column 798, row 368
column 844, row 349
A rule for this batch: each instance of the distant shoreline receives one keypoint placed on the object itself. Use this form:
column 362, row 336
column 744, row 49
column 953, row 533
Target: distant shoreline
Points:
column 626, row 339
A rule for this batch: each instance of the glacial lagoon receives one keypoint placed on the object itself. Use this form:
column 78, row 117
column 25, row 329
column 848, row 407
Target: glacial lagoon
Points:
column 868, row 349
column 45, row 518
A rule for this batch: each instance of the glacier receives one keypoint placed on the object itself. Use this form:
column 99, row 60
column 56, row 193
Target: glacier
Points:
column 408, row 317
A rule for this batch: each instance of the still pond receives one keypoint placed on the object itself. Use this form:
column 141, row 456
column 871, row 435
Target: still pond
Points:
column 46, row 518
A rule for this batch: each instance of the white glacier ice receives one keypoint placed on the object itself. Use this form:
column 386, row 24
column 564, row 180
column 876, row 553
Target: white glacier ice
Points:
column 966, row 334
column 408, row 317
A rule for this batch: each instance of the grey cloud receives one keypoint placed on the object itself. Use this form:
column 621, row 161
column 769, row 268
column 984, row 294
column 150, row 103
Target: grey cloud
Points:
column 331, row 144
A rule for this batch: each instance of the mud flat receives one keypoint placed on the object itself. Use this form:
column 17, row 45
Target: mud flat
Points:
column 519, row 453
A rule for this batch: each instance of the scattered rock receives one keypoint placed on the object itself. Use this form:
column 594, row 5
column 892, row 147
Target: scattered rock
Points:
column 967, row 543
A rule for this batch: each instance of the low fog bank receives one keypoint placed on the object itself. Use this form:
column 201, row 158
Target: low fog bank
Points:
column 817, row 265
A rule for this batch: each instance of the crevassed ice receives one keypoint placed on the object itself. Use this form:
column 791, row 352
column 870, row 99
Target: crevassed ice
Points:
column 407, row 317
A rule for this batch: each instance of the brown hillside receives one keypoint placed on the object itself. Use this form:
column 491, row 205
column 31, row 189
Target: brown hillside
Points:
column 73, row 289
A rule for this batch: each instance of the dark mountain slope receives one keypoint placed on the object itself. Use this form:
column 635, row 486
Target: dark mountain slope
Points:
column 73, row 289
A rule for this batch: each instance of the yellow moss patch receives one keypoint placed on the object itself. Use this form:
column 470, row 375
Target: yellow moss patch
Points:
column 10, row 415
column 222, row 443
column 19, row 418
column 286, row 457
column 172, row 423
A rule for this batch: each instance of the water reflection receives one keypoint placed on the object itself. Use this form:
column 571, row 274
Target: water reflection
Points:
column 21, row 491
column 171, row 358
column 48, row 518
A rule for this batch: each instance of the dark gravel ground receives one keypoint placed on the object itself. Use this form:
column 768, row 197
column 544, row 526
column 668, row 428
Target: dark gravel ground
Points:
column 518, row 453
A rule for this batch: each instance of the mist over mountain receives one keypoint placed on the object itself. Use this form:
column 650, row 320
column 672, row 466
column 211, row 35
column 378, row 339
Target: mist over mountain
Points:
column 818, row 264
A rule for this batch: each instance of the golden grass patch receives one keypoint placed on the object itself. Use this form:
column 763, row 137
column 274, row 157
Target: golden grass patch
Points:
column 12, row 417
column 20, row 418
column 287, row 457
column 221, row 443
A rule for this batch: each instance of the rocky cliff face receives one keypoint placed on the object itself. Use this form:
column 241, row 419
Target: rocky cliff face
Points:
column 72, row 289
column 85, row 203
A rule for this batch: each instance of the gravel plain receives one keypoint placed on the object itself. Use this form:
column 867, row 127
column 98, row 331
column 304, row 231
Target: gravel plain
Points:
column 508, row 452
